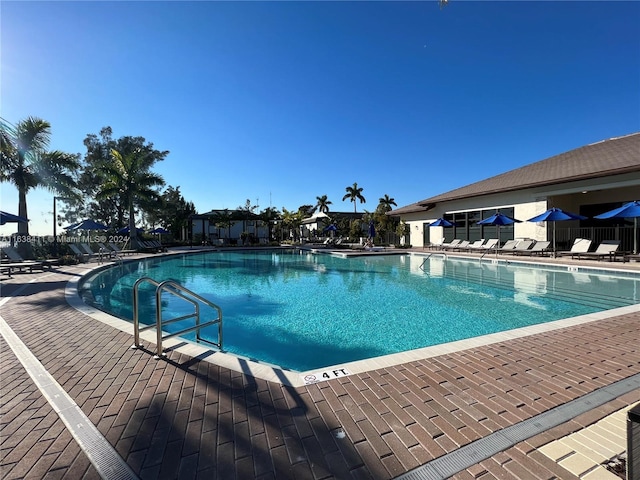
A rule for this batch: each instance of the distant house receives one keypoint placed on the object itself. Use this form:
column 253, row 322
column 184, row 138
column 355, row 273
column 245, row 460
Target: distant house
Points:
column 588, row 180
column 242, row 224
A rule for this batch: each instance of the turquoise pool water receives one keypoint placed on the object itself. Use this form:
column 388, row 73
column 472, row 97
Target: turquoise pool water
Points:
column 304, row 311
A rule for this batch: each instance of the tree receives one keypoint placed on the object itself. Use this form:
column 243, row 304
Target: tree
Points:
column 322, row 204
column 354, row 193
column 174, row 211
column 129, row 178
column 248, row 211
column 268, row 215
column 223, row 219
column 111, row 210
column 27, row 164
column 385, row 203
column 292, row 220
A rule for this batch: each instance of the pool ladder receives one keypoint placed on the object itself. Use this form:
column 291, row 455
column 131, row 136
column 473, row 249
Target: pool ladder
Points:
column 178, row 290
column 429, row 256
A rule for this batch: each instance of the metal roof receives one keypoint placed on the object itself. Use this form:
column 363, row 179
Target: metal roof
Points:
column 605, row 158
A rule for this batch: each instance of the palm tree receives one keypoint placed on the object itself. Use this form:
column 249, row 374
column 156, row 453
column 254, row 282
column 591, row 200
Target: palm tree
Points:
column 354, row 193
column 128, row 177
column 27, row 164
column 385, row 203
column 223, row 219
column 322, row 204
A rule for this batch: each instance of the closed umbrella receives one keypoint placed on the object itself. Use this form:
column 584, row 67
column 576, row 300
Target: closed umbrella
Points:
column 554, row 215
column 11, row 218
column 628, row 210
column 372, row 230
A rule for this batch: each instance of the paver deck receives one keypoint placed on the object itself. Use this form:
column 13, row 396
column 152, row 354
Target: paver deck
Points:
column 184, row 417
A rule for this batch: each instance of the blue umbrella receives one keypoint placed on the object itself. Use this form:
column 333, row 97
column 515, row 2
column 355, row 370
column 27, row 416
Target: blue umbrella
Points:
column 553, row 215
column 10, row 217
column 372, row 230
column 125, row 230
column 441, row 222
column 628, row 210
column 498, row 219
column 87, row 225
column 160, row 231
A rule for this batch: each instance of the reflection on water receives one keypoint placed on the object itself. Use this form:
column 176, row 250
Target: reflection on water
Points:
column 304, row 311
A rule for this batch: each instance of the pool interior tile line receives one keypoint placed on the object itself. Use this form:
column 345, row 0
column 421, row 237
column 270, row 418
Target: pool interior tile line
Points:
column 484, row 448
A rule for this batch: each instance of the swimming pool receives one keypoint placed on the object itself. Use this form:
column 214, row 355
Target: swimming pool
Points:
column 303, row 311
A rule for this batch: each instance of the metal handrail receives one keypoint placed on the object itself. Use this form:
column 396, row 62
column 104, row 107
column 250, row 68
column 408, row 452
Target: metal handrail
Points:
column 428, row 256
column 178, row 290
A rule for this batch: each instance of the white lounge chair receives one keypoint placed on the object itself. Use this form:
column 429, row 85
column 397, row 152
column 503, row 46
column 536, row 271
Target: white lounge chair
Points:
column 580, row 245
column 538, row 248
column 607, row 248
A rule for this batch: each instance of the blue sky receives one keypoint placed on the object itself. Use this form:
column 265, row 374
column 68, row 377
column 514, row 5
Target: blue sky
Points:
column 281, row 102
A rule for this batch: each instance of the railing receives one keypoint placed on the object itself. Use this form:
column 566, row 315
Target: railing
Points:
column 566, row 236
column 177, row 290
column 429, row 256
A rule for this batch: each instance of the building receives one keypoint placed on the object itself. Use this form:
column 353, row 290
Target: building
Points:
column 588, row 180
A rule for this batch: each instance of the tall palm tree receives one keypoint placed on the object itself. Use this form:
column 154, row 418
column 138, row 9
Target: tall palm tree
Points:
column 27, row 164
column 322, row 204
column 385, row 203
column 354, row 193
column 128, row 177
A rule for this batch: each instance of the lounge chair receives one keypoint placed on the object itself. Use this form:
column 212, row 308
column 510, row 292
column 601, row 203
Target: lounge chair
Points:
column 477, row 245
column 81, row 254
column 459, row 246
column 489, row 244
column 452, row 243
column 538, row 248
column 508, row 246
column 521, row 247
column 15, row 261
column 580, row 245
column 121, row 251
column 607, row 248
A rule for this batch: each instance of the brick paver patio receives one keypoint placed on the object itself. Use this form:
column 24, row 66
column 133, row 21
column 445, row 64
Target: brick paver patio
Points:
column 187, row 418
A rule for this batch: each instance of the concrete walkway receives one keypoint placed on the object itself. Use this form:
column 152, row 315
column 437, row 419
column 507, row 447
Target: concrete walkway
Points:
column 185, row 417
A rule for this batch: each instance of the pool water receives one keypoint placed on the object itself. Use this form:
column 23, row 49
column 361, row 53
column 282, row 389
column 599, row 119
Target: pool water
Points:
column 304, row 311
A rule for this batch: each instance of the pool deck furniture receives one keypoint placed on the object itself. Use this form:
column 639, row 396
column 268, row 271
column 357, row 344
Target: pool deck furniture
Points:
column 188, row 417
column 14, row 261
column 537, row 249
column 606, row 249
column 580, row 245
column 522, row 246
column 121, row 251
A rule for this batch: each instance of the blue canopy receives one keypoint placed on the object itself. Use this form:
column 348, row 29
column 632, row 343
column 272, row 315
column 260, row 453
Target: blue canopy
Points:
column 125, row 230
column 330, row 228
column 87, row 225
column 441, row 222
column 160, row 231
column 10, row 217
column 628, row 210
column 556, row 214
column 498, row 219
